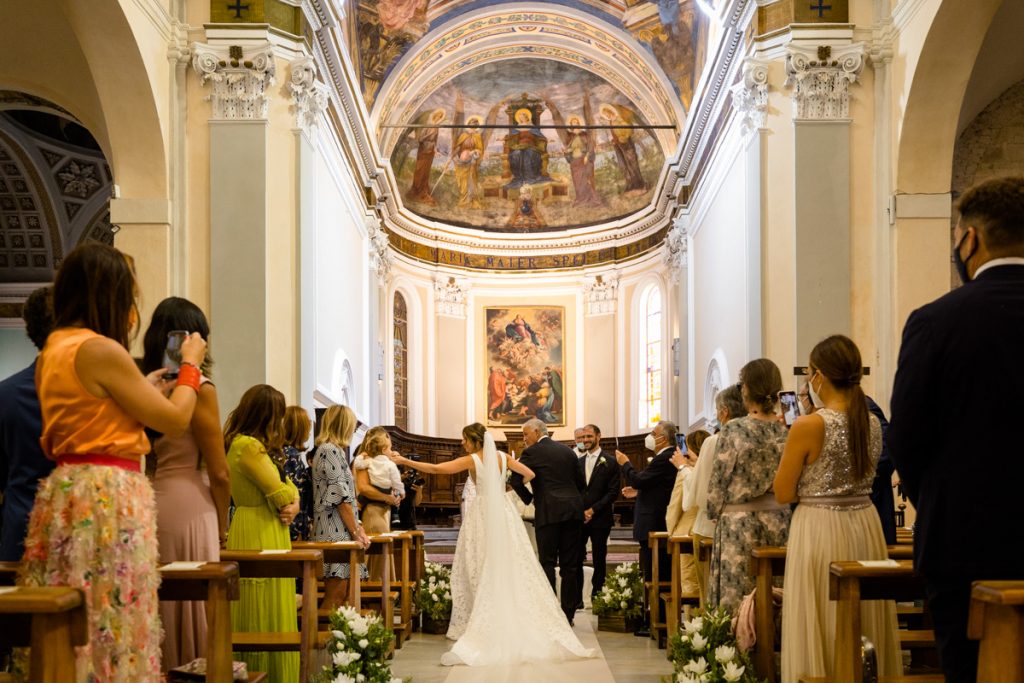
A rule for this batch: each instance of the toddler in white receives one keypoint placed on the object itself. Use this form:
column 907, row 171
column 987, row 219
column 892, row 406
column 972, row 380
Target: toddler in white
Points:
column 384, row 474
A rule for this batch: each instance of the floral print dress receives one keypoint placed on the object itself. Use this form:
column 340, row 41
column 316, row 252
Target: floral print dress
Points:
column 746, row 460
column 298, row 472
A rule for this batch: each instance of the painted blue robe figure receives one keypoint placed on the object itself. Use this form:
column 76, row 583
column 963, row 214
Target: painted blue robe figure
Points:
column 519, row 330
column 526, row 150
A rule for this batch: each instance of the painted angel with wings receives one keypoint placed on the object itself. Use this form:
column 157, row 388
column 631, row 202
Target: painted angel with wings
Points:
column 468, row 142
column 624, row 138
column 580, row 147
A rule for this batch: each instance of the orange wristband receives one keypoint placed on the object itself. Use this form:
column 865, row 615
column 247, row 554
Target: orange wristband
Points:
column 189, row 376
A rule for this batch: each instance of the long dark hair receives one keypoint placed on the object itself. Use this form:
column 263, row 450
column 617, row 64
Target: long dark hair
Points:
column 95, row 287
column 259, row 414
column 173, row 313
column 838, row 358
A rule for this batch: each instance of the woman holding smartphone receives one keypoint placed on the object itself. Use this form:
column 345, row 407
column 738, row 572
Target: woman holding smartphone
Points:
column 92, row 525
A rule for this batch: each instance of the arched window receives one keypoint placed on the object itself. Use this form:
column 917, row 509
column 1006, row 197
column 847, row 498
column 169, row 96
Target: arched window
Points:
column 651, row 371
column 401, row 337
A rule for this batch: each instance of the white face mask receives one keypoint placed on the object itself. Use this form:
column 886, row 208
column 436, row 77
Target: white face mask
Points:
column 815, row 398
column 580, row 447
column 649, row 442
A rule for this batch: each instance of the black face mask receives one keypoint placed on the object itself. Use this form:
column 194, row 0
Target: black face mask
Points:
column 961, row 264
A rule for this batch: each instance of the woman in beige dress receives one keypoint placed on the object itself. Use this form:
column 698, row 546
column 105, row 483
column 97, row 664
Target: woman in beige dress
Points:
column 828, row 464
column 376, row 505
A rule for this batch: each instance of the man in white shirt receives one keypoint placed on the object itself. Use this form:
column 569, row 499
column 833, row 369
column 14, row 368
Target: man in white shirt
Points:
column 601, row 475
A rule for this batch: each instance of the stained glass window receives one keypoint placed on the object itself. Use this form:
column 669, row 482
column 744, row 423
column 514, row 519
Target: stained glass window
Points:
column 651, row 371
column 401, row 353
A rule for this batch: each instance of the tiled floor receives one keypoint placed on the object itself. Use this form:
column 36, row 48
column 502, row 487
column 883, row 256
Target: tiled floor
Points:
column 624, row 658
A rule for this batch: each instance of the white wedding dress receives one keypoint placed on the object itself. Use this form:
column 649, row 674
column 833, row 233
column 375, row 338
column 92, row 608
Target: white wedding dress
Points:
column 503, row 609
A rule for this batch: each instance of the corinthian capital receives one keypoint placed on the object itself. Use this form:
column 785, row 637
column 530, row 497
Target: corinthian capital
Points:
column 240, row 79
column 601, row 293
column 750, row 94
column 821, row 78
column 675, row 249
column 309, row 94
column 450, row 296
column 380, row 251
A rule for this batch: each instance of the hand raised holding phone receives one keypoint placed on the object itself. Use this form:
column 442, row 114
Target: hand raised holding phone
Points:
column 182, row 347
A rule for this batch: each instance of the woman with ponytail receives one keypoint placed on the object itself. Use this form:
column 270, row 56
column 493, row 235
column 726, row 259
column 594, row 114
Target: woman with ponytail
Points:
column 828, row 465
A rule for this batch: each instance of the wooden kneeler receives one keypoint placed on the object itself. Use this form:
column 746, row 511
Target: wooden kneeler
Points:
column 307, row 565
column 51, row 621
column 657, row 542
column 997, row 620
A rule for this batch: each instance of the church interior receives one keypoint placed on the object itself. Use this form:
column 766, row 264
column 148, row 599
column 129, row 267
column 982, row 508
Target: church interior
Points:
column 446, row 212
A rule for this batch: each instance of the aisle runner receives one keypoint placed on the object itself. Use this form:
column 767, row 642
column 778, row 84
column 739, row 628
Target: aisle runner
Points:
column 593, row 670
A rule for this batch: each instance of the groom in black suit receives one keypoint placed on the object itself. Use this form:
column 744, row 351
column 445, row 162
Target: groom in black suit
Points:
column 558, row 503
column 601, row 489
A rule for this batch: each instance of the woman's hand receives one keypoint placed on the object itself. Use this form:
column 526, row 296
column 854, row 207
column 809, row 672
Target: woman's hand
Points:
column 397, row 458
column 193, row 349
column 679, row 459
column 629, row 492
column 361, row 538
column 156, row 378
column 288, row 512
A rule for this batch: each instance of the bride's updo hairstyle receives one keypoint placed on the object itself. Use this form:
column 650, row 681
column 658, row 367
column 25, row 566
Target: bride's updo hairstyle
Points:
column 474, row 434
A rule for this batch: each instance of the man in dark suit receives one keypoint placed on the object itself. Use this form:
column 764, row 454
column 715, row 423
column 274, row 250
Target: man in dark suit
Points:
column 601, row 478
column 653, row 487
column 963, row 470
column 558, row 505
column 881, row 487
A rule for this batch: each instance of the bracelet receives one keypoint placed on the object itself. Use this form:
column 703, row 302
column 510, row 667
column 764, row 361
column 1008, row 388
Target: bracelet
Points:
column 189, row 376
column 188, row 362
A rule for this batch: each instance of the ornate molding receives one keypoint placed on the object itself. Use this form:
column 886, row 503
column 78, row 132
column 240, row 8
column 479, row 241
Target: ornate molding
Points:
column 750, row 95
column 309, row 94
column 601, row 294
column 240, row 81
column 380, row 252
column 821, row 78
column 675, row 250
column 450, row 296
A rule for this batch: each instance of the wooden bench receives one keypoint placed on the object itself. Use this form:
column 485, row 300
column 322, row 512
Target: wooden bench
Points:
column 342, row 552
column 767, row 563
column 51, row 621
column 216, row 583
column 997, row 620
column 674, row 599
column 657, row 542
column 307, row 565
column 380, row 592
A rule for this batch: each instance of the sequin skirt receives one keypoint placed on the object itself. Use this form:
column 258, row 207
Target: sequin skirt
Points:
column 94, row 527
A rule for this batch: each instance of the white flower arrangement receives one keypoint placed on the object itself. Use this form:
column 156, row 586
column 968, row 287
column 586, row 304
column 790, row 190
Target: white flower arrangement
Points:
column 704, row 651
column 434, row 594
column 358, row 648
column 622, row 593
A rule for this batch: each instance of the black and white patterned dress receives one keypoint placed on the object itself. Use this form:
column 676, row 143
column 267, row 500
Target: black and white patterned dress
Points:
column 332, row 485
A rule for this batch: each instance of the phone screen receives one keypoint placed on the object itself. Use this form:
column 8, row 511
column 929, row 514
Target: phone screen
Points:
column 790, row 406
column 681, row 443
column 172, row 353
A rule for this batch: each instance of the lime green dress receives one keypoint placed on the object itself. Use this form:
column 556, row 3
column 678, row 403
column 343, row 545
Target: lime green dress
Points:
column 263, row 604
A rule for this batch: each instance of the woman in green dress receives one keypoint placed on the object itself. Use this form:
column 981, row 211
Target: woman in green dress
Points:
column 265, row 504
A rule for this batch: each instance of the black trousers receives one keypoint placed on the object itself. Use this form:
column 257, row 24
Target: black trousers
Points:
column 949, row 601
column 598, row 537
column 559, row 543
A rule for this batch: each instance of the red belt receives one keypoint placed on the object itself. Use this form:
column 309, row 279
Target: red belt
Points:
column 99, row 459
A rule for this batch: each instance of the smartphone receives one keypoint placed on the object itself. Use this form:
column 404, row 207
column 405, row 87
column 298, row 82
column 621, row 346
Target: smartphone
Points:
column 681, row 442
column 790, row 406
column 172, row 353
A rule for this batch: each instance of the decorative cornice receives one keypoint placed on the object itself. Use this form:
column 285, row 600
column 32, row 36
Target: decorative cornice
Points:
column 177, row 45
column 821, row 78
column 450, row 296
column 310, row 95
column 380, row 251
column 601, row 294
column 675, row 250
column 240, row 81
column 750, row 95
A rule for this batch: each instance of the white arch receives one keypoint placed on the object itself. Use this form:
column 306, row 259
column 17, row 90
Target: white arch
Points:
column 716, row 379
column 644, row 286
column 415, row 325
column 343, row 385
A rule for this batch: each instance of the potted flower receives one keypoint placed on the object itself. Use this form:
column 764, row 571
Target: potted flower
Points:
column 434, row 598
column 620, row 604
column 705, row 651
column 358, row 647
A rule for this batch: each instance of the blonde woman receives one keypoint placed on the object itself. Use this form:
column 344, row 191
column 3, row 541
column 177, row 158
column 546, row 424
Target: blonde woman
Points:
column 334, row 499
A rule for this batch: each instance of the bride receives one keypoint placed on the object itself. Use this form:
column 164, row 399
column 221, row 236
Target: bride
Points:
column 503, row 609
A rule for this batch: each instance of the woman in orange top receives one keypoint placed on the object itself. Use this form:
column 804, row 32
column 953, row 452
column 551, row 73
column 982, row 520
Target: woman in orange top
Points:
column 92, row 525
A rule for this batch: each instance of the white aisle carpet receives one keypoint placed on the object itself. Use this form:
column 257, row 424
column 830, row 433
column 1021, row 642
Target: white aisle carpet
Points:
column 593, row 670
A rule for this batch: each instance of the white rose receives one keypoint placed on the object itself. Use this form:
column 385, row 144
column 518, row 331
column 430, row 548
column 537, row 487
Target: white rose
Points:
column 733, row 672
column 339, row 635
column 696, row 666
column 685, row 677
column 699, row 642
column 359, row 626
column 623, row 604
column 433, row 596
column 724, row 653
column 342, row 678
column 626, row 593
column 623, row 583
column 447, row 595
column 363, row 643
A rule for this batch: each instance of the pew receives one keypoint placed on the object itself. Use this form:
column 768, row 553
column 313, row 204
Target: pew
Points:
column 657, row 542
column 767, row 563
column 997, row 619
column 381, row 591
column 51, row 621
column 341, row 552
column 290, row 564
column 674, row 599
column 216, row 583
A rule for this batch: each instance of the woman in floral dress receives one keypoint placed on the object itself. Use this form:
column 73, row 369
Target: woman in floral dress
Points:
column 740, row 490
column 296, row 433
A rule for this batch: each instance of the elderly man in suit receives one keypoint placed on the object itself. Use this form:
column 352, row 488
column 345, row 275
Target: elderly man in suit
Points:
column 601, row 488
column 558, row 504
column 960, row 465
column 653, row 486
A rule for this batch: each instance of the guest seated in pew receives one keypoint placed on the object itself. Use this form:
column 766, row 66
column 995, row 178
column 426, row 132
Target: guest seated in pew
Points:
column 740, row 489
column 266, row 502
column 93, row 523
column 335, row 517
column 190, row 483
column 829, row 466
column 297, row 426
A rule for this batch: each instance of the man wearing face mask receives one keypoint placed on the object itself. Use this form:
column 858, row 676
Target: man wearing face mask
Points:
column 653, row 485
column 961, row 354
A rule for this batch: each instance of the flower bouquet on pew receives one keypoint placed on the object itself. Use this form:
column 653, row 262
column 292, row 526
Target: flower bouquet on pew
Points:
column 434, row 598
column 705, row 651
column 620, row 604
column 358, row 647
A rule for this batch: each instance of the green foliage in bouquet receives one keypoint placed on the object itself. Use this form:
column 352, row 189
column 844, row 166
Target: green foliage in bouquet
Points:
column 358, row 648
column 623, row 592
column 705, row 651
column 434, row 594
